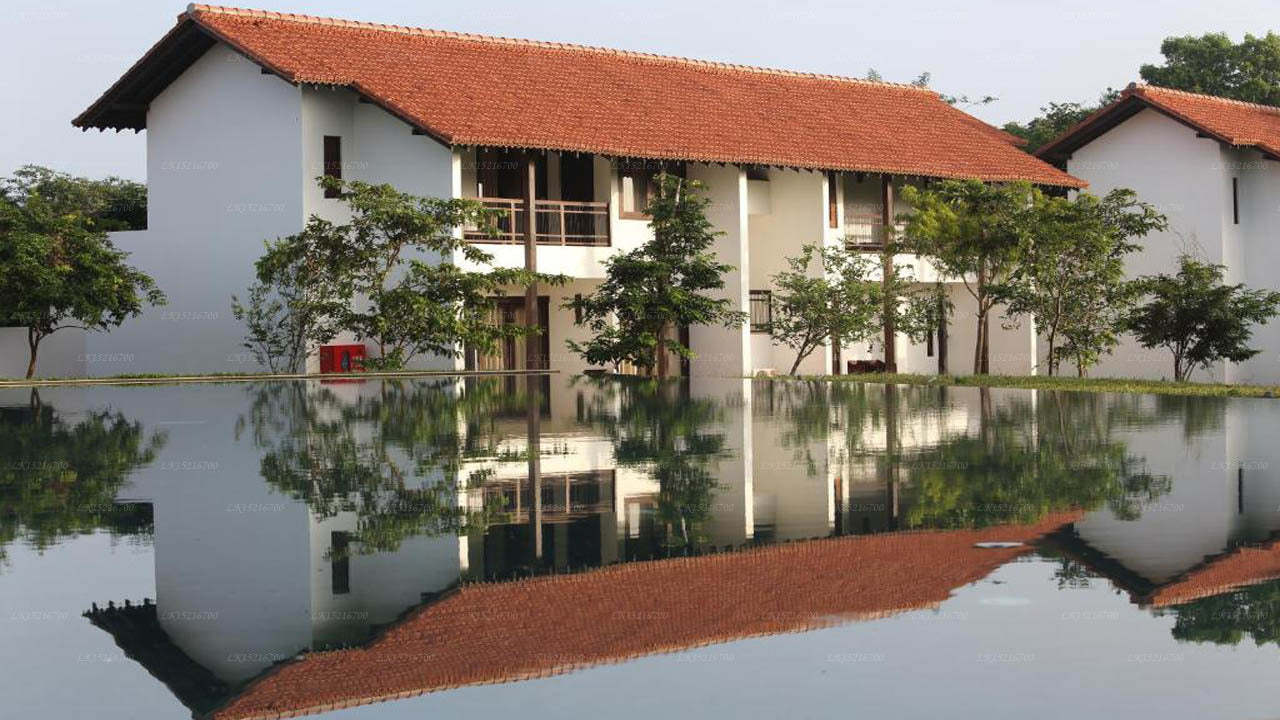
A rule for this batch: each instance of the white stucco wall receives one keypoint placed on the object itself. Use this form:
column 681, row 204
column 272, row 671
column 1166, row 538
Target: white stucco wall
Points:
column 224, row 158
column 1184, row 177
column 721, row 351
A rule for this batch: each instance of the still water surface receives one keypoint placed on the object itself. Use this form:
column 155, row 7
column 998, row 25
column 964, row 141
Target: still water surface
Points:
column 573, row 547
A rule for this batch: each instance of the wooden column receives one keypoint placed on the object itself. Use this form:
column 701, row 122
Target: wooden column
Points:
column 942, row 337
column 530, row 256
column 533, row 408
column 890, row 327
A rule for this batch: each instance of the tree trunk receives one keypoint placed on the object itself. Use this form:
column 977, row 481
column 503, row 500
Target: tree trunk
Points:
column 982, row 321
column 33, row 342
column 986, row 342
column 1053, row 363
column 796, row 365
column 661, row 360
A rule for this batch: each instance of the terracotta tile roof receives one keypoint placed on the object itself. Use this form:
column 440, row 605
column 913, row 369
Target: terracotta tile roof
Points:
column 503, row 632
column 1223, row 573
column 488, row 91
column 1229, row 121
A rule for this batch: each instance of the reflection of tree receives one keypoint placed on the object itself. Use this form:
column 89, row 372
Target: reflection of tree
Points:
column 396, row 458
column 657, row 425
column 1226, row 619
column 1027, row 459
column 59, row 477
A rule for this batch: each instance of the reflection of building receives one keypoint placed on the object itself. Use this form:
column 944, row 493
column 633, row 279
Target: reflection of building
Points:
column 501, row 632
column 268, row 575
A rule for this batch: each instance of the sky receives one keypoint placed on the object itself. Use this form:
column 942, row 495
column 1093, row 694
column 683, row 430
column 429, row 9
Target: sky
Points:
column 60, row 55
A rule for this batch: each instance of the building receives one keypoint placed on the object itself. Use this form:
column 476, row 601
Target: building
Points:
column 1207, row 163
column 244, row 109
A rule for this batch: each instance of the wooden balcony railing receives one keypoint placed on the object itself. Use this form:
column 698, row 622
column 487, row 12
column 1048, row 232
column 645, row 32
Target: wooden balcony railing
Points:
column 558, row 222
column 865, row 232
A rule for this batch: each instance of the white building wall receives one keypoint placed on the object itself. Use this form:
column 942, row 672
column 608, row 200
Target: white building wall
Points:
column 795, row 215
column 725, row 352
column 223, row 163
column 1184, row 177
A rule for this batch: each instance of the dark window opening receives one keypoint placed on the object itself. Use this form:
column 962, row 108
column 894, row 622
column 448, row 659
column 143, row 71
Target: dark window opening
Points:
column 833, row 208
column 340, row 562
column 332, row 162
column 577, row 309
column 1235, row 201
column 928, row 344
column 761, row 304
column 638, row 185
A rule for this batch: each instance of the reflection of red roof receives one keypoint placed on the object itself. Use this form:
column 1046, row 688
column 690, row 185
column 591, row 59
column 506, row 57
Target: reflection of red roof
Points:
column 502, row 632
column 478, row 90
column 1229, row 121
column 1221, row 574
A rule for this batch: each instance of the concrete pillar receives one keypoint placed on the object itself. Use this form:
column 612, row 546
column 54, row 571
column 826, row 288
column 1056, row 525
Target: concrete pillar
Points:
column 725, row 352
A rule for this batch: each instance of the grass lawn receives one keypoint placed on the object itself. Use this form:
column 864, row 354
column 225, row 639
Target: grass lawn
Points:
column 1040, row 382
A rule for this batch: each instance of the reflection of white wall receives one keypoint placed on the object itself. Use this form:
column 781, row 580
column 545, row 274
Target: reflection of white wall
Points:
column 1196, row 519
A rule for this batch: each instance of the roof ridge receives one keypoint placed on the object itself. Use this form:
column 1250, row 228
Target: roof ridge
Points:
column 195, row 8
column 1141, row 88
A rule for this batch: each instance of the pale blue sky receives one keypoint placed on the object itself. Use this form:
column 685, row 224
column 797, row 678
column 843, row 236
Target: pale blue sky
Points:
column 59, row 55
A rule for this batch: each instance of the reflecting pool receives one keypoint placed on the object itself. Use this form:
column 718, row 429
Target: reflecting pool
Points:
column 569, row 547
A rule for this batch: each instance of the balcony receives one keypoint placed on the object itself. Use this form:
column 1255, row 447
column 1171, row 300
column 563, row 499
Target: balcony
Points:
column 557, row 222
column 865, row 233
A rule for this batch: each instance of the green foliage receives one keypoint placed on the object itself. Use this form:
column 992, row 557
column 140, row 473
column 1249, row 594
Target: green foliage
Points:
column 58, row 268
column 1028, row 460
column 1055, row 119
column 660, row 286
column 825, row 296
column 830, row 295
column 112, row 203
column 1212, row 64
column 1073, row 284
column 396, row 459
column 60, row 476
column 1227, row 619
column 388, row 277
column 656, row 425
column 967, row 229
column 1197, row 317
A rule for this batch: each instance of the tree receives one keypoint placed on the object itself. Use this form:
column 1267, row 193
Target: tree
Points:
column 388, row 276
column 829, row 295
column 1197, row 317
column 62, row 471
column 113, row 203
column 977, row 233
column 1212, row 64
column 660, row 286
column 290, row 304
column 1055, row 119
column 838, row 303
column 59, row 269
column 1073, row 284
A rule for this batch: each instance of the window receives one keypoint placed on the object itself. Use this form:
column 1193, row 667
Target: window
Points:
column 577, row 309
column 928, row 344
column 833, row 207
column 332, row 162
column 340, row 562
column 637, row 185
column 1235, row 201
column 761, row 303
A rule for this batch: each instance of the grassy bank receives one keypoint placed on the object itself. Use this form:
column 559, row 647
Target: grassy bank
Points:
column 1038, row 382
column 159, row 379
